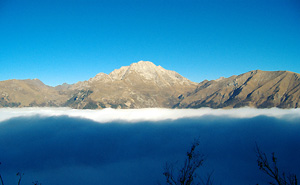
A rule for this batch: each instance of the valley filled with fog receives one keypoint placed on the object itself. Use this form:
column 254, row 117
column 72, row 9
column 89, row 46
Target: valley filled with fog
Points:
column 64, row 146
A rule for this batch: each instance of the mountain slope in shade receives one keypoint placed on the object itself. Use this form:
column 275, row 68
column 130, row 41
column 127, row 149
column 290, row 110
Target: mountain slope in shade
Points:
column 140, row 85
column 262, row 89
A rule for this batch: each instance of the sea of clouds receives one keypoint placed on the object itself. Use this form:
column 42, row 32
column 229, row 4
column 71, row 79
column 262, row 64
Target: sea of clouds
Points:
column 64, row 146
column 147, row 114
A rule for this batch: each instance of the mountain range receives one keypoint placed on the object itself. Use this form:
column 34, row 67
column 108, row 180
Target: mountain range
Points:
column 145, row 85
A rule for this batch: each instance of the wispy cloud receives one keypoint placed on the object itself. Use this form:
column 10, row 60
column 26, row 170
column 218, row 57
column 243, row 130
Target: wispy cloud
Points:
column 151, row 114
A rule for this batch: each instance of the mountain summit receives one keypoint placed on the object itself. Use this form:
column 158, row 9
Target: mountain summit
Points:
column 139, row 85
column 145, row 71
column 145, row 85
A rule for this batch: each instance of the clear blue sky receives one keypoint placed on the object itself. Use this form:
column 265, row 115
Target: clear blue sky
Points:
column 61, row 41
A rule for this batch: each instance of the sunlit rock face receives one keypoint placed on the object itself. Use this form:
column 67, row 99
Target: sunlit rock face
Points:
column 20, row 93
column 140, row 85
column 262, row 89
column 145, row 85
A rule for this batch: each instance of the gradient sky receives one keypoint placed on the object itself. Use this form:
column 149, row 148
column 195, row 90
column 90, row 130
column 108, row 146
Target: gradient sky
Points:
column 61, row 41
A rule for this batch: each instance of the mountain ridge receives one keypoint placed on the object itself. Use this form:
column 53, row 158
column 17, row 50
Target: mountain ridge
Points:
column 257, row 88
column 145, row 85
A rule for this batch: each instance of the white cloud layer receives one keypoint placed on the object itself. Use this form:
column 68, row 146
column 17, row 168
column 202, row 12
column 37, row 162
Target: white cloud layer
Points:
column 56, row 149
column 149, row 114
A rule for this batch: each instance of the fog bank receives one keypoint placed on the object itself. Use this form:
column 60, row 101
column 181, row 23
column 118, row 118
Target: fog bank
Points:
column 150, row 114
column 69, row 150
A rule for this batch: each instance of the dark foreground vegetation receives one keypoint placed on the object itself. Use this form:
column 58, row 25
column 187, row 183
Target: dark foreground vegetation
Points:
column 187, row 174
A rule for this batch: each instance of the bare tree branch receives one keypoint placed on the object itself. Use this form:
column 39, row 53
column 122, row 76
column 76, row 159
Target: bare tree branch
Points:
column 1, row 178
column 36, row 183
column 273, row 170
column 20, row 177
column 186, row 175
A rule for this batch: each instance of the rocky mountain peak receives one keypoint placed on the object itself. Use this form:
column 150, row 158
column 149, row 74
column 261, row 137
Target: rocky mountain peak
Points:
column 120, row 74
column 100, row 77
column 144, row 68
column 139, row 85
column 148, row 71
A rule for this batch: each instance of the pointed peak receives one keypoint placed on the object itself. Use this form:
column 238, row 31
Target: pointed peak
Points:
column 144, row 70
column 140, row 67
column 142, row 63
